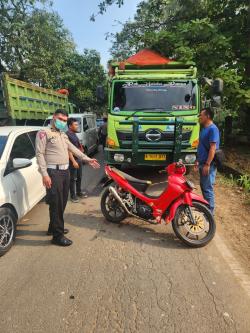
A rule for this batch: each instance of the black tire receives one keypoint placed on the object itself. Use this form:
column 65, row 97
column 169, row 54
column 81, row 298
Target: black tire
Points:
column 7, row 220
column 106, row 196
column 209, row 219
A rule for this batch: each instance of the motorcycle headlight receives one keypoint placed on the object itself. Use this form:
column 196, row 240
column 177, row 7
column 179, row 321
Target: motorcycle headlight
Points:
column 190, row 158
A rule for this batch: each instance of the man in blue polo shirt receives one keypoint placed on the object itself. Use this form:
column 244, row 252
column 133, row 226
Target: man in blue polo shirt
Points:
column 209, row 142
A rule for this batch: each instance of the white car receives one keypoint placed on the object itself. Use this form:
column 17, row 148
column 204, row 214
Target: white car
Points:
column 21, row 185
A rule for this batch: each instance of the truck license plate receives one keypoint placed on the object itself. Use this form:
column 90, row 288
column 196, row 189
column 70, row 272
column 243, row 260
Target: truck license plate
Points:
column 155, row 157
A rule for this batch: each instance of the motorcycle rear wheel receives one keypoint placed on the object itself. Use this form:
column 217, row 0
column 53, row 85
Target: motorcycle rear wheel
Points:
column 111, row 208
column 194, row 235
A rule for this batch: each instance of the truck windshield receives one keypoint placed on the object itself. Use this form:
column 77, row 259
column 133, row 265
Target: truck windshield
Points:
column 155, row 96
column 3, row 140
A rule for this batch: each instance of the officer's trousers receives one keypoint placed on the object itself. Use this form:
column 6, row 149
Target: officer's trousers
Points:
column 57, row 197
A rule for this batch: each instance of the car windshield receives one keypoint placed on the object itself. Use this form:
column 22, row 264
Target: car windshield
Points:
column 3, row 140
column 154, row 96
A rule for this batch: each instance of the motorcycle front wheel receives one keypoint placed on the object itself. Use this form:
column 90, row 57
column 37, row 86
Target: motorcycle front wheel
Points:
column 111, row 208
column 196, row 234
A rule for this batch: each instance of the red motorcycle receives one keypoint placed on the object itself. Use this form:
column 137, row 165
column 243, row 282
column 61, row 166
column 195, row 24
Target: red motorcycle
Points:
column 189, row 213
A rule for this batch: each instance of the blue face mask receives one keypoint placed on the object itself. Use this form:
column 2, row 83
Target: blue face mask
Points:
column 60, row 125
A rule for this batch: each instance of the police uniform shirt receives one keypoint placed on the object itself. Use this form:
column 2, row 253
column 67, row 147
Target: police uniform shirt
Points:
column 52, row 148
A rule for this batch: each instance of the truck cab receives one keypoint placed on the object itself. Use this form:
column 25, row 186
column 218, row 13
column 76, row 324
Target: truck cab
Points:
column 153, row 109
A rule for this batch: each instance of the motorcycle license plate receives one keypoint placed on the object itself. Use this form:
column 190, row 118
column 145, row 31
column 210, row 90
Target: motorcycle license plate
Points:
column 155, row 157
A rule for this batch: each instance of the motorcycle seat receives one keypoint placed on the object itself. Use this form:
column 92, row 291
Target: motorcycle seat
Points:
column 130, row 179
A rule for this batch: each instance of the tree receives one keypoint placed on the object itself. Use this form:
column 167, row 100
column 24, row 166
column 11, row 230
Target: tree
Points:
column 14, row 41
column 35, row 46
column 214, row 34
column 50, row 43
column 81, row 76
column 102, row 7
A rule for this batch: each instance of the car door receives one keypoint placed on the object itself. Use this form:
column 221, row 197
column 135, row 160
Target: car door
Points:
column 39, row 189
column 86, row 134
column 27, row 181
column 92, row 132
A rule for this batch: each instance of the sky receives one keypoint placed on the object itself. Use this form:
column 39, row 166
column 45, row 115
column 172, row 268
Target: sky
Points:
column 76, row 16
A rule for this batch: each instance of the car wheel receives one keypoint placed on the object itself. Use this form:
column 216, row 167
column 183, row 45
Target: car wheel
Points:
column 7, row 229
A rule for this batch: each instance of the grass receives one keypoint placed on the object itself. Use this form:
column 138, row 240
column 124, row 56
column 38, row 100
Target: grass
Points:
column 242, row 182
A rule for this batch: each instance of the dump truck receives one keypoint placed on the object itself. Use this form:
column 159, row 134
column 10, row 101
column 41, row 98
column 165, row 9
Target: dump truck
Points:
column 153, row 110
column 22, row 103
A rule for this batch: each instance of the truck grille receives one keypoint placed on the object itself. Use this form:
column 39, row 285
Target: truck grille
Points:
column 125, row 139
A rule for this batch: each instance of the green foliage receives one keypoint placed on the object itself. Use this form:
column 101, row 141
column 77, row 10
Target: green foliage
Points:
column 242, row 181
column 103, row 7
column 214, row 34
column 82, row 74
column 245, row 182
column 35, row 46
column 53, row 44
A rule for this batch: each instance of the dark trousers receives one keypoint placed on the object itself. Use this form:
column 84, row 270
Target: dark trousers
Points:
column 103, row 139
column 75, row 180
column 57, row 197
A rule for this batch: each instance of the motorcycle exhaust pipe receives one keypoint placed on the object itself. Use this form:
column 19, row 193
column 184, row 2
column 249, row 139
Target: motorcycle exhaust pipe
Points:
column 113, row 191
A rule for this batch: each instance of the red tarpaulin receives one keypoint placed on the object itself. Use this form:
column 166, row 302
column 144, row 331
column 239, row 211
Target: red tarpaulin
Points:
column 148, row 57
column 63, row 91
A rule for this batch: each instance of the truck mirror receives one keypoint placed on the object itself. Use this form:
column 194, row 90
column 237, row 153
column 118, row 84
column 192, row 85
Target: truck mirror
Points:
column 217, row 86
column 100, row 93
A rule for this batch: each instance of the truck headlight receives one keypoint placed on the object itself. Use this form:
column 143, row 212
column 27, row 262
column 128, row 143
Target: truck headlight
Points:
column 190, row 159
column 119, row 157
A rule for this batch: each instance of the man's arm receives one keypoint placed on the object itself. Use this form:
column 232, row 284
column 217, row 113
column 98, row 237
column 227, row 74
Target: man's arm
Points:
column 73, row 161
column 211, row 153
column 76, row 152
column 91, row 161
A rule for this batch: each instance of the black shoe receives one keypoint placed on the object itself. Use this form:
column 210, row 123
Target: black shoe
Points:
column 82, row 194
column 63, row 241
column 50, row 233
column 74, row 199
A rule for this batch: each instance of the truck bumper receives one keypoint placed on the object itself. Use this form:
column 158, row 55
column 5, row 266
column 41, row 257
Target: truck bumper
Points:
column 139, row 158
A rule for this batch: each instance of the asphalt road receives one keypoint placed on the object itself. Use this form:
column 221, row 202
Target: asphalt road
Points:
column 128, row 278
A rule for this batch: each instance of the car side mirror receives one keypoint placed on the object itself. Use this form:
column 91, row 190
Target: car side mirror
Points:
column 100, row 94
column 217, row 87
column 21, row 163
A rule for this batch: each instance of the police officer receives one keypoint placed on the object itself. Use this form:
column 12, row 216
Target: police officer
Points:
column 52, row 152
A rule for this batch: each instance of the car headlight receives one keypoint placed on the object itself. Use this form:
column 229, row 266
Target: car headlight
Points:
column 119, row 157
column 190, row 158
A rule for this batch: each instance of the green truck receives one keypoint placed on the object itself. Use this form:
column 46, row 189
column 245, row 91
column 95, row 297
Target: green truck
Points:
column 153, row 111
column 22, row 103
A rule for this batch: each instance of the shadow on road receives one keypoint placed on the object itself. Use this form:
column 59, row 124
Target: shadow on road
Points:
column 127, row 231
column 32, row 242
